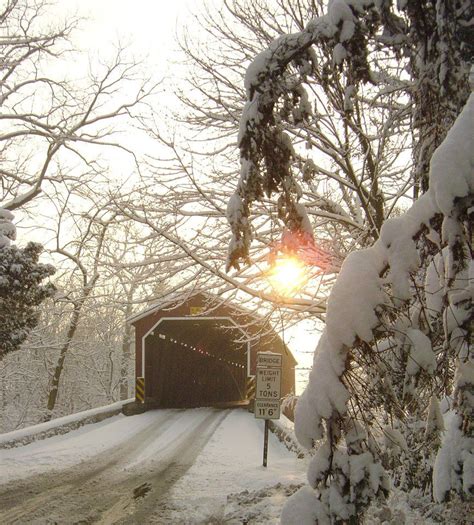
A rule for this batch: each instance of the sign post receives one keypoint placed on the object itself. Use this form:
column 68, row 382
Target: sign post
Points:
column 268, row 392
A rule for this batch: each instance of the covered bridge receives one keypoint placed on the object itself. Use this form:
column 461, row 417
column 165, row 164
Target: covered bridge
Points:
column 201, row 352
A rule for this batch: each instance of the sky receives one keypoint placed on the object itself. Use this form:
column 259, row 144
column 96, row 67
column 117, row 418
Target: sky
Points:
column 147, row 26
column 149, row 29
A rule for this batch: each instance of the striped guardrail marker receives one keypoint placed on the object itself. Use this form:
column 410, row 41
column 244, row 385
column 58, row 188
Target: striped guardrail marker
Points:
column 140, row 389
column 250, row 388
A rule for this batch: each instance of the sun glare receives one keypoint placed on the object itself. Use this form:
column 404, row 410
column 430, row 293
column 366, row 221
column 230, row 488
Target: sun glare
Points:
column 287, row 275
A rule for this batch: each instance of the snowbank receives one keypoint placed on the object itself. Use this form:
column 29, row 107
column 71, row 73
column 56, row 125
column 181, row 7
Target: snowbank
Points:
column 61, row 425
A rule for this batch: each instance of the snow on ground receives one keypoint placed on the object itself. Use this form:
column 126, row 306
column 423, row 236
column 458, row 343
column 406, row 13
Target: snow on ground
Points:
column 226, row 481
column 63, row 451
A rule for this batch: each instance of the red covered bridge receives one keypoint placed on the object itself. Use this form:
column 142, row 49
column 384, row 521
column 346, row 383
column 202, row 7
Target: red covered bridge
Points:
column 202, row 352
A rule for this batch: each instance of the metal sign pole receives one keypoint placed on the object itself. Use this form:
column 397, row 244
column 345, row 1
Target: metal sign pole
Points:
column 265, row 443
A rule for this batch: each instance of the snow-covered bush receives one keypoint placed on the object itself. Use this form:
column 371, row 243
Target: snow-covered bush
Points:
column 371, row 298
column 345, row 479
column 399, row 314
column 454, row 466
column 7, row 228
column 21, row 288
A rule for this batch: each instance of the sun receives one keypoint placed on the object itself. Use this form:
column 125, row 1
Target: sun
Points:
column 287, row 275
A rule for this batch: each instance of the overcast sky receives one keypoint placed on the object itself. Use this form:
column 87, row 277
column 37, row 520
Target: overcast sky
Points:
column 148, row 26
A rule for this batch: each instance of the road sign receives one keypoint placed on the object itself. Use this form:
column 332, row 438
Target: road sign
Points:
column 268, row 392
column 268, row 384
column 269, row 360
column 267, row 409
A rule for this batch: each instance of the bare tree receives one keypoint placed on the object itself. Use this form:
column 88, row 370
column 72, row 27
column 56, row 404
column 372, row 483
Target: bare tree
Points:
column 135, row 277
column 347, row 155
column 83, row 249
column 271, row 161
column 349, row 159
column 57, row 121
column 50, row 116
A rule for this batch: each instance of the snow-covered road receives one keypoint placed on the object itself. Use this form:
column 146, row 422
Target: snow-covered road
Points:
column 165, row 466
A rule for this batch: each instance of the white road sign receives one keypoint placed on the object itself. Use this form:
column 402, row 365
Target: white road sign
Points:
column 268, row 384
column 267, row 409
column 268, row 360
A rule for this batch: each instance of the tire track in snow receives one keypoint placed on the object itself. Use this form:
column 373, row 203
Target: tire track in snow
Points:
column 25, row 497
column 128, row 510
column 82, row 492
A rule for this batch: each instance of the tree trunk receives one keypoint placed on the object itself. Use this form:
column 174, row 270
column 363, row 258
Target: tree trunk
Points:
column 126, row 340
column 124, row 384
column 53, row 391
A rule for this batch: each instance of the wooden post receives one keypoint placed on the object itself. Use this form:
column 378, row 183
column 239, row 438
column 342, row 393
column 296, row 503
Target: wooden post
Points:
column 265, row 443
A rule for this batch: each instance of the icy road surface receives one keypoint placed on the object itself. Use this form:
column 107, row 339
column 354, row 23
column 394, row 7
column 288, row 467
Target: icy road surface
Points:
column 198, row 466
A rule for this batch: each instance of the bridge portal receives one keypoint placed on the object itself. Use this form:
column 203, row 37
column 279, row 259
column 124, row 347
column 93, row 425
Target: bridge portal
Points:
column 199, row 352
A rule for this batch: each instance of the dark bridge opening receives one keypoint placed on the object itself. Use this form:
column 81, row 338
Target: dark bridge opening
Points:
column 195, row 362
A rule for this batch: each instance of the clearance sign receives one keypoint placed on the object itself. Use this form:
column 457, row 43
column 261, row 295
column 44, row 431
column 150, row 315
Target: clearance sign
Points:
column 268, row 386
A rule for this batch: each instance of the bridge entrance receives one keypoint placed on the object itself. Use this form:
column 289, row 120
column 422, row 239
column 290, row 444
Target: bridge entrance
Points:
column 202, row 352
column 195, row 362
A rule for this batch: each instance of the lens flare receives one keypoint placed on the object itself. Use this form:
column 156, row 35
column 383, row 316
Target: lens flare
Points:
column 287, row 275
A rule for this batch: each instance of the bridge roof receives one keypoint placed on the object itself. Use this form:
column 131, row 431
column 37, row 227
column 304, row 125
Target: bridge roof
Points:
column 239, row 323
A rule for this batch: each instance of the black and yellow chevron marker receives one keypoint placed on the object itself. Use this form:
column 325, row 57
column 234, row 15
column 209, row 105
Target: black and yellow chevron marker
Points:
column 140, row 389
column 250, row 388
